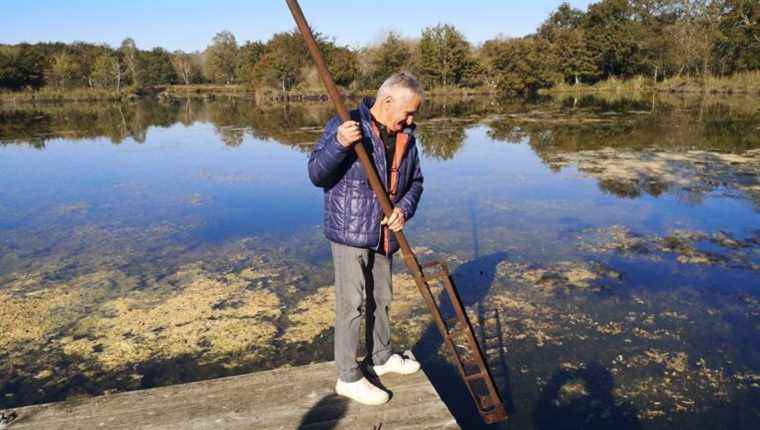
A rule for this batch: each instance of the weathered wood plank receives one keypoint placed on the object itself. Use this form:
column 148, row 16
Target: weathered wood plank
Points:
column 285, row 398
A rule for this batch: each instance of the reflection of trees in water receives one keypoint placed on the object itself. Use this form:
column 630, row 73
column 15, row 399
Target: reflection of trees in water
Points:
column 632, row 152
column 39, row 124
column 689, row 177
column 36, row 124
column 296, row 125
column 674, row 125
column 677, row 124
column 622, row 188
column 458, row 107
column 606, row 102
column 442, row 122
column 441, row 139
column 231, row 136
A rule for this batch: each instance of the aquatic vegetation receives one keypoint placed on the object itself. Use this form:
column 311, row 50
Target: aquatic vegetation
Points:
column 563, row 274
column 684, row 245
column 311, row 316
column 691, row 174
column 33, row 313
column 202, row 316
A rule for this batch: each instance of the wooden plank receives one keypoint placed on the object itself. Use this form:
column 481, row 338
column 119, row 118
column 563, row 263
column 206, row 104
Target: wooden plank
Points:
column 286, row 398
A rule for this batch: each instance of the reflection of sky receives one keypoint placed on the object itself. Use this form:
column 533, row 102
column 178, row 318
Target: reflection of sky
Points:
column 257, row 186
column 183, row 172
column 512, row 175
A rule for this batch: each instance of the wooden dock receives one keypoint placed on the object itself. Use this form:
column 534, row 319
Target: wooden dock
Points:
column 287, row 398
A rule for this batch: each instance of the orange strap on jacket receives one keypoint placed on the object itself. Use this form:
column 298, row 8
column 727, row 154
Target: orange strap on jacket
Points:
column 402, row 140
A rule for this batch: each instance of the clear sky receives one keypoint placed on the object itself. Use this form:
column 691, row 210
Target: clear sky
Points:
column 190, row 24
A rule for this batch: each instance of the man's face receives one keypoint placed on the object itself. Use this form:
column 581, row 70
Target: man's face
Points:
column 400, row 107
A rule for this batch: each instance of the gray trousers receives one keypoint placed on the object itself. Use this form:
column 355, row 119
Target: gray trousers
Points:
column 362, row 290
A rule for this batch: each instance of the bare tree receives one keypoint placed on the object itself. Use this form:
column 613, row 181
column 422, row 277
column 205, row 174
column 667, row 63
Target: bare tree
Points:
column 107, row 71
column 129, row 51
column 183, row 64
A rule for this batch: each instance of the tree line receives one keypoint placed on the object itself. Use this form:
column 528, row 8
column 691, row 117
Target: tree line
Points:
column 612, row 38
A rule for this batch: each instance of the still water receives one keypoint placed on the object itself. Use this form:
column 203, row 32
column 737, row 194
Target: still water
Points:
column 608, row 250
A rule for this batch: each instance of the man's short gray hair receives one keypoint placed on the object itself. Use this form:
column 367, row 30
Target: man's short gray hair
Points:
column 401, row 79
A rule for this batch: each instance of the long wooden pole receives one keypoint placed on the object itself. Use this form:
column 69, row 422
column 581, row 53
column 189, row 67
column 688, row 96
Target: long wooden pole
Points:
column 337, row 99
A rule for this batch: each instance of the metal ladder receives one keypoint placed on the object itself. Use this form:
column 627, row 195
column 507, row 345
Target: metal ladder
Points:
column 468, row 358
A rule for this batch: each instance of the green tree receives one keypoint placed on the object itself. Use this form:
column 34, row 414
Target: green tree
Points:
column 157, row 67
column 21, row 66
column 611, row 37
column 738, row 43
column 222, row 58
column 281, row 64
column 521, row 66
column 575, row 61
column 444, row 55
column 565, row 17
column 343, row 65
column 102, row 73
column 391, row 56
column 65, row 69
column 248, row 55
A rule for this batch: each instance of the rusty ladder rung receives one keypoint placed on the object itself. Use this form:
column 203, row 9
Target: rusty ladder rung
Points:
column 486, row 402
column 474, row 376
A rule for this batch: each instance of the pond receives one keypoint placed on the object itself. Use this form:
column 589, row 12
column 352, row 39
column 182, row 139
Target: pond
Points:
column 607, row 250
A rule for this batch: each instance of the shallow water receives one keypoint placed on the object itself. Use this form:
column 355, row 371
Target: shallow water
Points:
column 607, row 249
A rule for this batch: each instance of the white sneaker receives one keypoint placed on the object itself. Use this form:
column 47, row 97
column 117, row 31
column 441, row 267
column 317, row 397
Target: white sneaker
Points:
column 397, row 364
column 362, row 391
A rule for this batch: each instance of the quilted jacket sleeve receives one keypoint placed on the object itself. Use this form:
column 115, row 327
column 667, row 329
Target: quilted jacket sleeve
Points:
column 327, row 155
column 408, row 203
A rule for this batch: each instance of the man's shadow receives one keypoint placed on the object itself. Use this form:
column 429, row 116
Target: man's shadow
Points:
column 325, row 414
column 582, row 399
column 473, row 281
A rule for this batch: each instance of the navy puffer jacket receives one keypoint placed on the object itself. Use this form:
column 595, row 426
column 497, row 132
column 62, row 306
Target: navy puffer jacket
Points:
column 352, row 212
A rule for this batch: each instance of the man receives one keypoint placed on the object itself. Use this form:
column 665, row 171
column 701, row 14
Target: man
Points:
column 361, row 240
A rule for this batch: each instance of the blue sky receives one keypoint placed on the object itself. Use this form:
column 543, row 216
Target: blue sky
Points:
column 190, row 24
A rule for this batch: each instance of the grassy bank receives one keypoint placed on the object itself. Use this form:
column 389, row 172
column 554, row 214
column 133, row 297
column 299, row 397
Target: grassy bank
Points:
column 194, row 90
column 740, row 83
column 58, row 94
column 743, row 83
column 302, row 93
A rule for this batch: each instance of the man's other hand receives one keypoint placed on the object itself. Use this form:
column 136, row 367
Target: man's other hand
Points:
column 396, row 220
column 348, row 133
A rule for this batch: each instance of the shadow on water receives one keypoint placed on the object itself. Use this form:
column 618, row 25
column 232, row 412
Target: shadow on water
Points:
column 582, row 399
column 326, row 414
